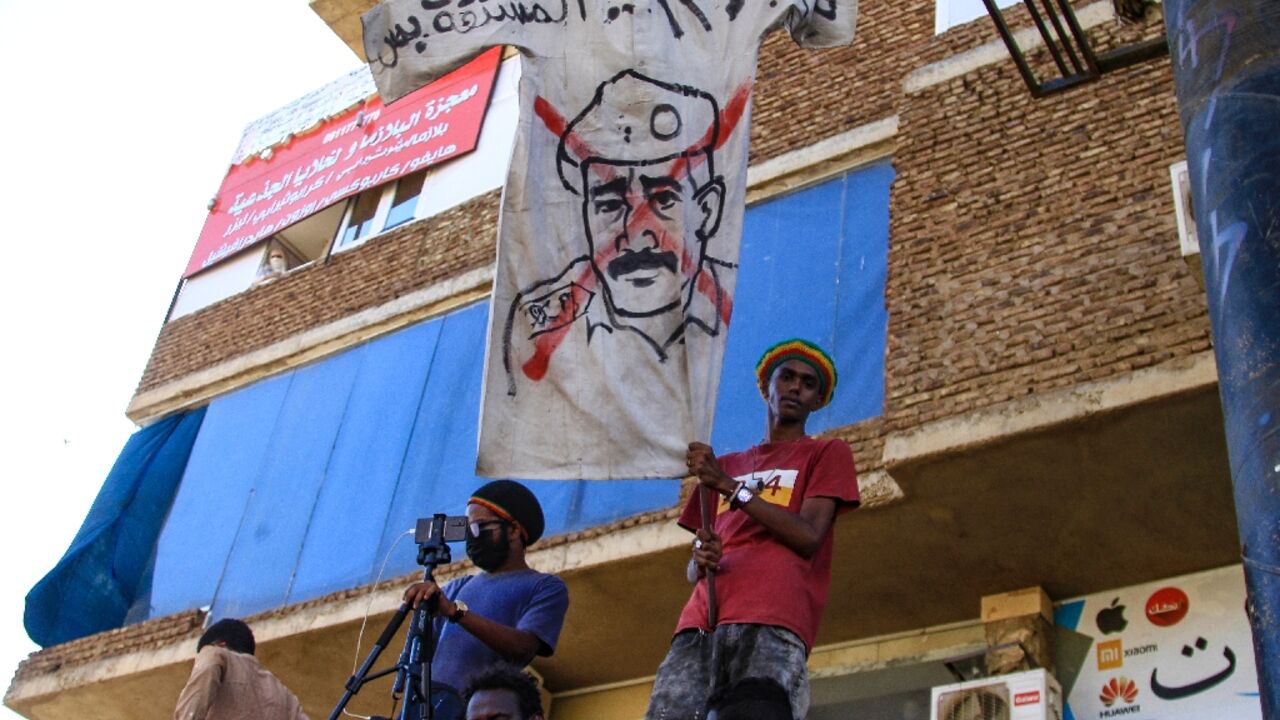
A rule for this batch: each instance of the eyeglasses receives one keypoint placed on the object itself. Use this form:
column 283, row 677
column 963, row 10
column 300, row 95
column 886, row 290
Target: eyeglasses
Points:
column 482, row 526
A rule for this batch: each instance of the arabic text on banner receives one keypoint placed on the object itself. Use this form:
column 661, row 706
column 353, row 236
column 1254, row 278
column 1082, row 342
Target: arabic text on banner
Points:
column 361, row 148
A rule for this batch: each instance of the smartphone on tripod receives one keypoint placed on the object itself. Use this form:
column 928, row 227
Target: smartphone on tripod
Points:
column 413, row 669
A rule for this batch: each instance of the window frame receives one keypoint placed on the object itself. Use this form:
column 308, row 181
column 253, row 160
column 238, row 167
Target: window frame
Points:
column 386, row 197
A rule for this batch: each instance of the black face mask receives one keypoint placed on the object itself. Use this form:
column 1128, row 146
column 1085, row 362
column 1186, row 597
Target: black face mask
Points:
column 488, row 550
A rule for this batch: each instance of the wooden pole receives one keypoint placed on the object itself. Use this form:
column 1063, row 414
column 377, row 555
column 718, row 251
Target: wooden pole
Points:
column 705, row 500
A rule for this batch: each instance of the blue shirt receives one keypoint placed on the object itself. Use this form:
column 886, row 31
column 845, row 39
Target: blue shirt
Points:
column 523, row 599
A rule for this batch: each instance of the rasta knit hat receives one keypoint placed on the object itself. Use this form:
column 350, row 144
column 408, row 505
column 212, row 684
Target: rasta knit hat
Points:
column 513, row 502
column 804, row 351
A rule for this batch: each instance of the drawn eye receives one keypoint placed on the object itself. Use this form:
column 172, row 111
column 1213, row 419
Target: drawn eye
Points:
column 664, row 199
column 609, row 206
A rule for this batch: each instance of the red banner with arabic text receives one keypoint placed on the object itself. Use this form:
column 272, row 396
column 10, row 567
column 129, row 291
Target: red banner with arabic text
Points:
column 364, row 147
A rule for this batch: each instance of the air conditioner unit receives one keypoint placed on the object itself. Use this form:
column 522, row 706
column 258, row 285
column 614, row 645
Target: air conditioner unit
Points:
column 1030, row 695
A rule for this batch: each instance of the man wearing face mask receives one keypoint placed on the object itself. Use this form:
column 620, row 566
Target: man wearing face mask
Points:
column 509, row 613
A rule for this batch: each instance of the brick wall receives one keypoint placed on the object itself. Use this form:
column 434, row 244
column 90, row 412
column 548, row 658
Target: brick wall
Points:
column 384, row 268
column 802, row 96
column 148, row 635
column 1033, row 242
column 843, row 88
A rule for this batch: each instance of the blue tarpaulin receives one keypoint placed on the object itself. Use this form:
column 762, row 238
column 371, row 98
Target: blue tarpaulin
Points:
column 814, row 266
column 101, row 575
column 305, row 483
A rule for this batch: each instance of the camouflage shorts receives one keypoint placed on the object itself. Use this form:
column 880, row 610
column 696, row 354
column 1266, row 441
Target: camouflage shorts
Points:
column 700, row 663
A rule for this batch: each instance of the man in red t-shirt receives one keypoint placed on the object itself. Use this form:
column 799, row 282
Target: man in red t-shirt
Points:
column 770, row 548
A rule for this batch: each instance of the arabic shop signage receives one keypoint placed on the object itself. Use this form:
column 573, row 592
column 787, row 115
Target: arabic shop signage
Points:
column 1177, row 649
column 364, row 147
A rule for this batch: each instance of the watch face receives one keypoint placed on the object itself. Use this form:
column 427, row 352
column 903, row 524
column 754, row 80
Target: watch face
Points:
column 744, row 495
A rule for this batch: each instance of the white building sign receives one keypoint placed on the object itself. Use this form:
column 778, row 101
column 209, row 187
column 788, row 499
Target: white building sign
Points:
column 1177, row 649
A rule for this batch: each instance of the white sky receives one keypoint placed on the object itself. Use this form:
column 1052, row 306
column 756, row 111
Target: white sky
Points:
column 118, row 123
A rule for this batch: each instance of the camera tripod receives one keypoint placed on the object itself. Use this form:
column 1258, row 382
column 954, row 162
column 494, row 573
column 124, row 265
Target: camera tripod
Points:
column 423, row 699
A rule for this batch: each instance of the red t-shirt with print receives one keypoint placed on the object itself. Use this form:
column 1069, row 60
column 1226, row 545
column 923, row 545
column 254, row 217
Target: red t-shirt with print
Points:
column 762, row 581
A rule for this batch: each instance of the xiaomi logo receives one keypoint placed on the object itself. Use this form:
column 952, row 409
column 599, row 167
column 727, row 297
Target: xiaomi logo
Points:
column 1110, row 655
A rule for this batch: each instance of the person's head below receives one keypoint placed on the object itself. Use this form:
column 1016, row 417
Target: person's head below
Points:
column 750, row 699
column 795, row 377
column 503, row 693
column 505, row 518
column 644, row 155
column 228, row 633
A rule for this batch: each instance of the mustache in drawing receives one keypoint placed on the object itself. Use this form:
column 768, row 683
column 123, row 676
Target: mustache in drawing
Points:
column 646, row 259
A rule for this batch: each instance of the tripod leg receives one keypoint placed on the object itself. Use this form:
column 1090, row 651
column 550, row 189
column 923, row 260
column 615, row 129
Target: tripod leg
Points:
column 357, row 681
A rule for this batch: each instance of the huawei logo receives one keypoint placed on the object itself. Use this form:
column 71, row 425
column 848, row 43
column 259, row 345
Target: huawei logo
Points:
column 1119, row 688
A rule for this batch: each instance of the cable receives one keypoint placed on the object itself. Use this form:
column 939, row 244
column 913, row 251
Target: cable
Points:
column 355, row 662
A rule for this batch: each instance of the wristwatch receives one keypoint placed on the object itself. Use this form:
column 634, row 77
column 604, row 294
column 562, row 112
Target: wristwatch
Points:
column 459, row 611
column 740, row 497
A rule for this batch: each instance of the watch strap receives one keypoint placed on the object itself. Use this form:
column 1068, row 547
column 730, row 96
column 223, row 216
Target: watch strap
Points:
column 459, row 611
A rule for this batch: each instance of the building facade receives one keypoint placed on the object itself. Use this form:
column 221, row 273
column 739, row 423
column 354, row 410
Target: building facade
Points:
column 1027, row 384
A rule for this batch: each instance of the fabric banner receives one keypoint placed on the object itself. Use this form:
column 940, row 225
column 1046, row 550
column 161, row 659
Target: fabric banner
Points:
column 106, row 570
column 621, row 218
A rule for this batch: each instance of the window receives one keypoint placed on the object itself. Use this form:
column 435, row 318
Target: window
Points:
column 405, row 200
column 360, row 217
column 276, row 261
column 951, row 13
column 303, row 242
column 379, row 209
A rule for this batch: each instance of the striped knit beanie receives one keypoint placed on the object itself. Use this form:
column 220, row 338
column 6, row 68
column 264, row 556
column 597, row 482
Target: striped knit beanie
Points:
column 804, row 351
column 513, row 502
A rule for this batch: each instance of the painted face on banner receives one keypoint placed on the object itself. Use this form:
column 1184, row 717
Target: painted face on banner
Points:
column 640, row 148
column 635, row 222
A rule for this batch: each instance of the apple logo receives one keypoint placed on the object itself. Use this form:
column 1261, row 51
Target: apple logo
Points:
column 1111, row 619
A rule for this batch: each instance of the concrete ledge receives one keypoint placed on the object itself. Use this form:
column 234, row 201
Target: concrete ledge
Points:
column 310, row 345
column 878, row 489
column 31, row 689
column 845, row 661
column 821, row 160
column 343, row 17
column 995, row 51
column 928, row 644
column 1043, row 410
column 562, row 555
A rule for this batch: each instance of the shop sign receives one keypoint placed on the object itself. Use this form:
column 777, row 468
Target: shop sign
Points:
column 363, row 147
column 1177, row 649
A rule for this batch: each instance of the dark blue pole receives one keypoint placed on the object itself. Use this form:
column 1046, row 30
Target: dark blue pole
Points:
column 1226, row 71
